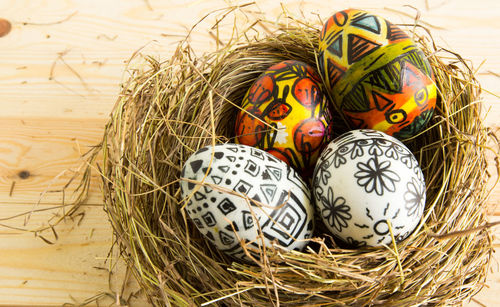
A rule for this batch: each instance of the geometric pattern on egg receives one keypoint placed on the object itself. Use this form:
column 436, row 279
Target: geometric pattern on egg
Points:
column 377, row 76
column 235, row 191
column 365, row 179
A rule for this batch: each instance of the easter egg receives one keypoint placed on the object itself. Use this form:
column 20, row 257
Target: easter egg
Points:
column 285, row 113
column 365, row 184
column 239, row 193
column 376, row 75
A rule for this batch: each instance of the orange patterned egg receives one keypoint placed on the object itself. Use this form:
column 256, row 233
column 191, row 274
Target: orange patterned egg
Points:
column 376, row 75
column 285, row 113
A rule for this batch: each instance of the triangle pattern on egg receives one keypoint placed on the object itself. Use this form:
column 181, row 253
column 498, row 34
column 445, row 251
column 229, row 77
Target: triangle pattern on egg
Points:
column 210, row 236
column 394, row 32
column 359, row 47
column 256, row 198
column 195, row 165
column 265, row 175
column 335, row 72
column 225, row 238
column 247, row 219
column 216, row 179
column 367, row 22
column 223, row 168
column 336, row 46
column 381, row 102
column 199, row 196
column 207, row 189
column 269, row 190
column 230, row 228
column 276, row 172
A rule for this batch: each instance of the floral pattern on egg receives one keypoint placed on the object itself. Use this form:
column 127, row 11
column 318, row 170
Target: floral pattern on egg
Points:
column 279, row 200
column 364, row 179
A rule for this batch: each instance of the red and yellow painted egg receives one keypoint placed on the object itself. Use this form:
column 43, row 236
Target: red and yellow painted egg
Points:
column 285, row 113
column 376, row 75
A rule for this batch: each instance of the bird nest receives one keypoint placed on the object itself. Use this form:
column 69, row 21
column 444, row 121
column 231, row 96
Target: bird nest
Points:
column 168, row 110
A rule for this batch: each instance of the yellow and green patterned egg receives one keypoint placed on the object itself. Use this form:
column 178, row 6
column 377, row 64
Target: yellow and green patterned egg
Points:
column 285, row 113
column 375, row 74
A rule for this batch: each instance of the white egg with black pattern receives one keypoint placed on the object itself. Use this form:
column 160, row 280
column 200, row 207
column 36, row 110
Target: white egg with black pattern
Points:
column 368, row 188
column 231, row 191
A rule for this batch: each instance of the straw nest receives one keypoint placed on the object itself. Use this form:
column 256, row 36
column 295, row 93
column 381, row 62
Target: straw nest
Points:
column 168, row 110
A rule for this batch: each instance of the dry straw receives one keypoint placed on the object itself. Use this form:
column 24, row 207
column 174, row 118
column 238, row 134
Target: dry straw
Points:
column 168, row 110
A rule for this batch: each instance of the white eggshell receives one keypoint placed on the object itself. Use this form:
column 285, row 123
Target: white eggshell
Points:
column 362, row 180
column 217, row 183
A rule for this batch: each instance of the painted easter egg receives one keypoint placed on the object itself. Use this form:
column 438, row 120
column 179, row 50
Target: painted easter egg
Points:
column 285, row 113
column 234, row 190
column 376, row 75
column 365, row 184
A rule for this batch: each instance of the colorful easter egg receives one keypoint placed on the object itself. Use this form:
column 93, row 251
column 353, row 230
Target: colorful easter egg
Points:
column 285, row 113
column 243, row 197
column 369, row 188
column 376, row 75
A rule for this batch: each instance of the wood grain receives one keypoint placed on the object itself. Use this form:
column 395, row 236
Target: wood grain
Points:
column 41, row 154
column 61, row 68
column 71, row 270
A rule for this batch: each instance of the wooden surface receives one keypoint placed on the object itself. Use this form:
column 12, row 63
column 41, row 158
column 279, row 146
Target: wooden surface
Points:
column 61, row 66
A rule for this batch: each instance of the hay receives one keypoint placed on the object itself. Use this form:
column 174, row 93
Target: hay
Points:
column 168, row 110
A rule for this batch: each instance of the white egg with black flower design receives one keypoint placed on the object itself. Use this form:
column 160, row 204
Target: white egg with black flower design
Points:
column 238, row 194
column 367, row 185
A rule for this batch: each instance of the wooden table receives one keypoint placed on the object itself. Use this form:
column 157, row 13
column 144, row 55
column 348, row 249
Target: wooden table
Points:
column 61, row 66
